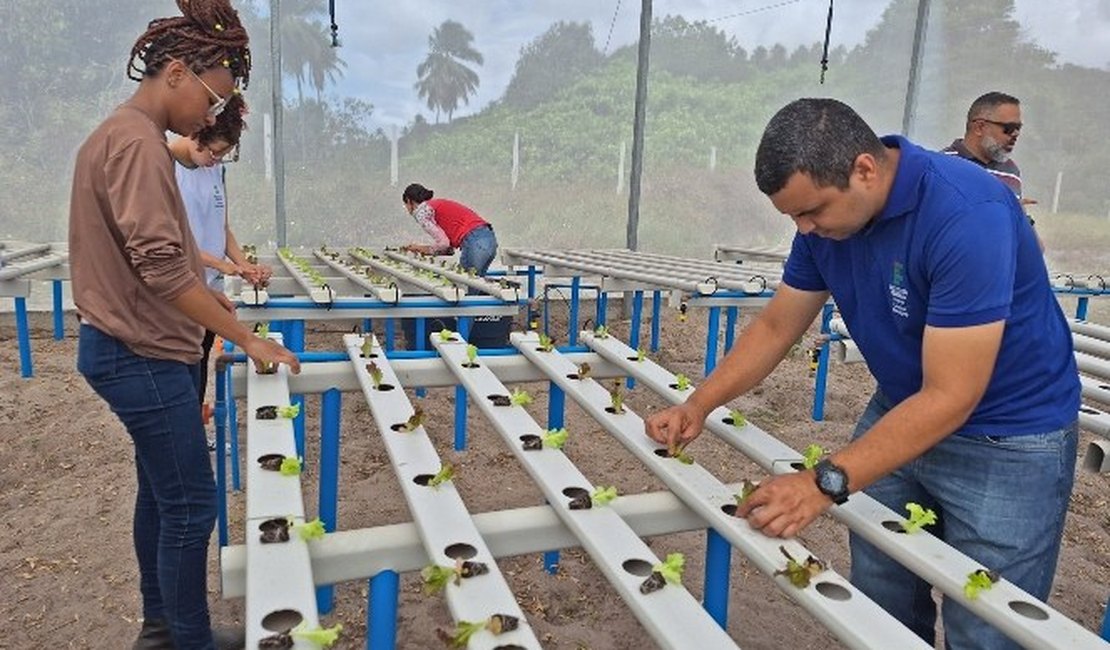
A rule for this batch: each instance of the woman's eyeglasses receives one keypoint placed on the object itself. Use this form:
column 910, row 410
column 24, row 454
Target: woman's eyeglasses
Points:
column 216, row 108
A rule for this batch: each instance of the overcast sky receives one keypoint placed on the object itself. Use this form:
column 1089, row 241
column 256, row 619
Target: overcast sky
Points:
column 384, row 42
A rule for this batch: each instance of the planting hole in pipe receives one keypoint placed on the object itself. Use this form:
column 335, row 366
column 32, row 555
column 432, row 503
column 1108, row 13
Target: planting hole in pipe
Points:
column 1088, row 410
column 384, row 387
column 833, row 591
column 500, row 400
column 274, row 531
column 271, row 462
column 422, row 479
column 268, row 412
column 1104, row 386
column 894, row 526
column 1028, row 610
column 729, row 509
column 532, row 442
column 572, row 375
column 798, row 465
column 637, row 567
column 579, row 498
column 282, row 620
column 510, row 647
column 460, row 551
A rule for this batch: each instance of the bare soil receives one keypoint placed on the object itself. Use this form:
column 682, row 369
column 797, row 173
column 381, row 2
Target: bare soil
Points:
column 68, row 576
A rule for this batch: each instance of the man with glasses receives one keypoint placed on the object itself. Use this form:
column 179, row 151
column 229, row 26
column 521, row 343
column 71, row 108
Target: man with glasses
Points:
column 990, row 135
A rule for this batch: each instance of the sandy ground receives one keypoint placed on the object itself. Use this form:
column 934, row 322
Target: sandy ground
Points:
column 68, row 577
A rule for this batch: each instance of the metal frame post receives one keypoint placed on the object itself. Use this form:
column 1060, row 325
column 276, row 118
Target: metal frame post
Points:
column 331, row 403
column 381, row 612
column 718, row 558
column 59, row 313
column 711, row 336
column 23, row 333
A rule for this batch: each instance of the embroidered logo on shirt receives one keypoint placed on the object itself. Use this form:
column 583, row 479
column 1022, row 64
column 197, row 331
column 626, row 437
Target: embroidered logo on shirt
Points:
column 898, row 291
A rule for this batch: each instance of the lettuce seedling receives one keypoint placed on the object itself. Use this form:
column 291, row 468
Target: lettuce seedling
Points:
column 289, row 412
column 415, row 420
column 290, row 466
column 436, row 578
column 445, row 473
column 737, row 417
column 812, row 455
column 367, row 347
column 519, row 397
column 616, row 397
column 375, row 373
column 746, row 489
column 678, row 453
column 320, row 636
column 311, row 530
column 583, row 370
column 603, row 495
column 919, row 518
column 641, row 354
column 555, row 438
column 800, row 573
column 496, row 624
column 547, row 344
column 262, row 330
column 671, row 568
column 681, row 382
column 602, row 332
column 978, row 580
column 471, row 353
column 446, row 335
column 463, row 631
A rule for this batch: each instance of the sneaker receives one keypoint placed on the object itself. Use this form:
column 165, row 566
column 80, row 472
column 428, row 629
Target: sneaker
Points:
column 155, row 635
column 211, row 444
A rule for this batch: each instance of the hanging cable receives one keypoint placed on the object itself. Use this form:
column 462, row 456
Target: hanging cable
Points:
column 755, row 11
column 612, row 23
column 334, row 26
column 828, row 34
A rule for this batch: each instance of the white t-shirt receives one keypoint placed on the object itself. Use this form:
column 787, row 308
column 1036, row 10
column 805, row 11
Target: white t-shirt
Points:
column 202, row 190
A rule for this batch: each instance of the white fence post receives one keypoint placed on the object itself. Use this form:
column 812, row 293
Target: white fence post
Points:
column 516, row 158
column 1056, row 191
column 620, row 170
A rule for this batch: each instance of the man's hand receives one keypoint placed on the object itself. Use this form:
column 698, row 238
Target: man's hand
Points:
column 267, row 351
column 784, row 505
column 676, row 426
column 255, row 274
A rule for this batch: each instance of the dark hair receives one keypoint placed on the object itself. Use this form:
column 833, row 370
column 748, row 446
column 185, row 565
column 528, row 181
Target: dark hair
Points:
column 207, row 35
column 416, row 193
column 987, row 102
column 818, row 137
column 229, row 124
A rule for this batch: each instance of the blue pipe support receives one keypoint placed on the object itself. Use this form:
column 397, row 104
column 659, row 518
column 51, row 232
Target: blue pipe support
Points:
column 634, row 329
column 220, row 414
column 330, row 415
column 1106, row 622
column 556, row 419
column 390, row 334
column 731, row 316
column 822, row 378
column 367, row 325
column 381, row 612
column 718, row 558
column 602, row 308
column 421, row 337
column 460, row 397
column 572, row 326
column 1081, row 308
column 711, row 337
column 233, row 434
column 532, row 296
column 59, row 313
column 656, row 318
column 294, row 340
column 23, row 333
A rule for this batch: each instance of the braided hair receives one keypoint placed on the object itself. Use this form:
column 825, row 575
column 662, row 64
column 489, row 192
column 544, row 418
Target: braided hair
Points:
column 208, row 34
column 229, row 124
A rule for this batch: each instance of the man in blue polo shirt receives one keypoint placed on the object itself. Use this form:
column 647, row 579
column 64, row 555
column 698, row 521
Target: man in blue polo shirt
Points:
column 939, row 278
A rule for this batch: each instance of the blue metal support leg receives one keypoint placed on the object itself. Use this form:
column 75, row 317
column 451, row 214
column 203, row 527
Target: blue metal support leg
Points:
column 381, row 612
column 330, row 415
column 718, row 557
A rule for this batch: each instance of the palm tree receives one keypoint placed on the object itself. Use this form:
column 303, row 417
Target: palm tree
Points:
column 444, row 80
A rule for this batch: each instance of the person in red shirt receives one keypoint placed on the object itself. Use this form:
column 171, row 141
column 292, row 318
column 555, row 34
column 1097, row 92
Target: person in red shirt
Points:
column 452, row 225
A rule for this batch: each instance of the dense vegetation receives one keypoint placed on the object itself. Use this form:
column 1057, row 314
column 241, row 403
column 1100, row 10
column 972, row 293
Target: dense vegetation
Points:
column 571, row 107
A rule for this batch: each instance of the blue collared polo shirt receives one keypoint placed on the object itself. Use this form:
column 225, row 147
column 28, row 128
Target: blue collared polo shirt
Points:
column 951, row 248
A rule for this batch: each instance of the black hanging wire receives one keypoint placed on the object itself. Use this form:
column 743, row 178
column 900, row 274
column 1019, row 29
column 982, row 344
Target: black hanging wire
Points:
column 828, row 33
column 334, row 27
column 612, row 23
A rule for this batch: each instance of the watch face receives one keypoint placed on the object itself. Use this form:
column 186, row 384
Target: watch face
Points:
column 832, row 481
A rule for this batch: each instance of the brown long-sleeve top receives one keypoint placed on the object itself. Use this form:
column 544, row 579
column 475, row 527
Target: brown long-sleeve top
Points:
column 130, row 248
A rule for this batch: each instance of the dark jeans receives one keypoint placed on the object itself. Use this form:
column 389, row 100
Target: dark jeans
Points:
column 1000, row 500
column 477, row 249
column 175, row 507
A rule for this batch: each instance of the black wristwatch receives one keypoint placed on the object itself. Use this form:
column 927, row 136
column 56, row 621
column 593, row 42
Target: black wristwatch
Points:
column 832, row 480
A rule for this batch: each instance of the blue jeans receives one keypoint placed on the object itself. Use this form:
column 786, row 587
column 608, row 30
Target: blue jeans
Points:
column 999, row 500
column 175, row 506
column 477, row 249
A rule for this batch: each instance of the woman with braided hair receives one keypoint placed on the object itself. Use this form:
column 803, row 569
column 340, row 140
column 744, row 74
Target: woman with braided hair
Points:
column 138, row 284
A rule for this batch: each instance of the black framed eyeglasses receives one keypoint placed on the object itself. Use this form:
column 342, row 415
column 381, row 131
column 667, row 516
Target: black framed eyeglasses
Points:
column 1007, row 127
